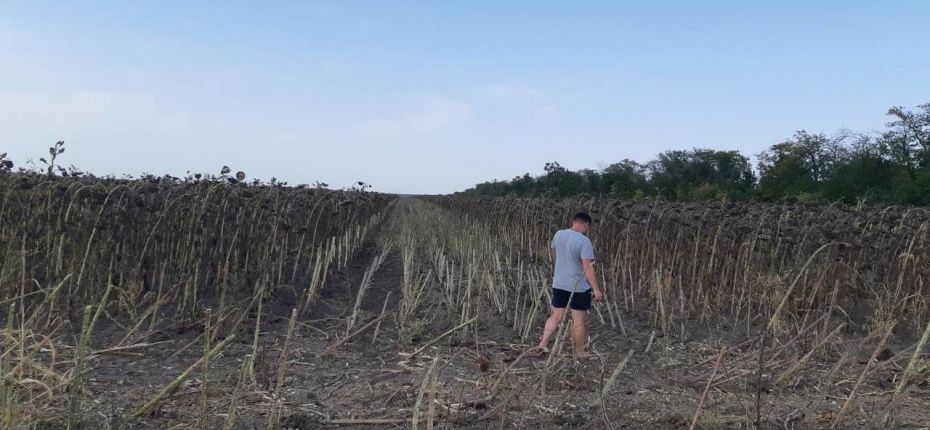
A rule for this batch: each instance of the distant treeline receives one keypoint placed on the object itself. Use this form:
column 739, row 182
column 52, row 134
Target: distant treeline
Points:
column 891, row 167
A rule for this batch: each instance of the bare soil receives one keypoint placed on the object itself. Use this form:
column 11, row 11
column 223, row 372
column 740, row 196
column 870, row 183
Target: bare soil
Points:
column 373, row 383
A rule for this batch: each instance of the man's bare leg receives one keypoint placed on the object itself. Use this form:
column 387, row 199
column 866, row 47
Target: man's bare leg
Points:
column 551, row 325
column 578, row 334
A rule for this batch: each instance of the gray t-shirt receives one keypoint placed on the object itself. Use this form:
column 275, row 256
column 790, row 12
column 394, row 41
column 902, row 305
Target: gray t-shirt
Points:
column 570, row 248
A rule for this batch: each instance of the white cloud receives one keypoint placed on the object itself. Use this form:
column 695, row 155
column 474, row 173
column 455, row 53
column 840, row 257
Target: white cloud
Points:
column 547, row 113
column 85, row 111
column 511, row 91
column 113, row 133
column 103, row 129
column 433, row 116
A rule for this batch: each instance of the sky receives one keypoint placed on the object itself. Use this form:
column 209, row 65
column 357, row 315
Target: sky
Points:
column 433, row 97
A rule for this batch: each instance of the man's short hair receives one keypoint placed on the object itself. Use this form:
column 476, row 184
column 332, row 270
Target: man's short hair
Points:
column 582, row 218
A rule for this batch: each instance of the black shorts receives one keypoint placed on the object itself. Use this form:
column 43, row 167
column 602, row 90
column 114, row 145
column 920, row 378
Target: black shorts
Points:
column 580, row 301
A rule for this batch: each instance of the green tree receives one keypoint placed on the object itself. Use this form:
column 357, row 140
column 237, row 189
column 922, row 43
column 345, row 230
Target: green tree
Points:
column 592, row 182
column 865, row 173
column 676, row 174
column 799, row 165
column 625, row 178
column 907, row 138
column 493, row 188
column 893, row 167
column 523, row 185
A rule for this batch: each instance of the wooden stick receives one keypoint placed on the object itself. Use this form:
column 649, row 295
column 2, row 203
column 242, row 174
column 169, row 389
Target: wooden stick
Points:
column 908, row 374
column 432, row 397
column 275, row 413
column 374, row 421
column 123, row 348
column 893, row 404
column 174, row 385
column 697, row 413
column 652, row 337
column 728, row 350
column 506, row 371
column 442, row 336
column 356, row 333
column 374, row 336
column 793, row 340
column 613, row 379
column 219, row 321
column 426, row 379
column 797, row 365
column 838, row 417
column 745, row 372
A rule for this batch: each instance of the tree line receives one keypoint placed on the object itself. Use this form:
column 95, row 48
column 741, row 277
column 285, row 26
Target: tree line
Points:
column 891, row 166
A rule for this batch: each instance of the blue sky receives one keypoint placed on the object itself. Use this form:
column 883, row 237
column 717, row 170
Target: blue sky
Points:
column 433, row 97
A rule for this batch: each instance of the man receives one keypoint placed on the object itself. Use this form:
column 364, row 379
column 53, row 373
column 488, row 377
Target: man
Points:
column 573, row 282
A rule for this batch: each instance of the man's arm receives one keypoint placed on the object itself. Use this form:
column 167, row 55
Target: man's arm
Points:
column 592, row 278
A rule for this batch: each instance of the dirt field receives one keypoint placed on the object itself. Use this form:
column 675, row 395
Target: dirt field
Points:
column 479, row 377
